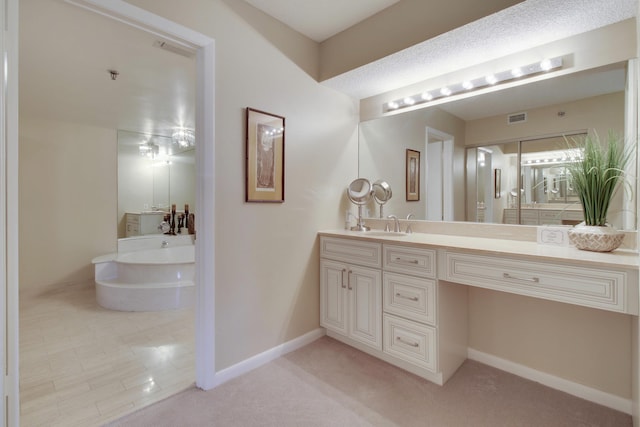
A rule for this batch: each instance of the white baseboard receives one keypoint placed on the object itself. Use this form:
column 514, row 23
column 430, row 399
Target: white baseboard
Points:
column 591, row 394
column 266, row 356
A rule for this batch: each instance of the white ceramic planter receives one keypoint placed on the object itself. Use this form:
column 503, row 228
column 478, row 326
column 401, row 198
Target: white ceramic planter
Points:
column 595, row 238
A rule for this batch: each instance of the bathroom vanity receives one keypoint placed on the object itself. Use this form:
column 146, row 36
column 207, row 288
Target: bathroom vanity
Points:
column 143, row 223
column 403, row 297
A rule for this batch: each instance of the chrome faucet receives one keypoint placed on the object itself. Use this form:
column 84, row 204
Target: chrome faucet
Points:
column 165, row 244
column 396, row 223
column 409, row 230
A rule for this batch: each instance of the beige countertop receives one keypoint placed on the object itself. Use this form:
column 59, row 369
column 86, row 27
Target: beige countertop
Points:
column 538, row 252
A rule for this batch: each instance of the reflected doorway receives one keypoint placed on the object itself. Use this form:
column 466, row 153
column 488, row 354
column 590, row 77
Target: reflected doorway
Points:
column 439, row 174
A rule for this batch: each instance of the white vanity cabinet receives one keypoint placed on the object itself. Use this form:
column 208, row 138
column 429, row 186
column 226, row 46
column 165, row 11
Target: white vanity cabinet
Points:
column 351, row 294
column 138, row 224
column 424, row 320
column 611, row 289
column 387, row 297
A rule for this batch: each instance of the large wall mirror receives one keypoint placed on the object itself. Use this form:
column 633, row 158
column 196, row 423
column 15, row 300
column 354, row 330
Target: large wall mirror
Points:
column 496, row 157
column 153, row 173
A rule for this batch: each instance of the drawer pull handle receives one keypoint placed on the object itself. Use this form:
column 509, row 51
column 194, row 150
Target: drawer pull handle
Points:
column 399, row 295
column 407, row 261
column 412, row 344
column 344, row 270
column 349, row 280
column 524, row 279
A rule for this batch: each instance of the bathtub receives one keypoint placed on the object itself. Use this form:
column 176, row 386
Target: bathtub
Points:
column 148, row 273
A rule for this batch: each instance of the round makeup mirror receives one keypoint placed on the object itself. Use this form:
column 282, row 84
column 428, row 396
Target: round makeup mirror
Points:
column 359, row 192
column 381, row 194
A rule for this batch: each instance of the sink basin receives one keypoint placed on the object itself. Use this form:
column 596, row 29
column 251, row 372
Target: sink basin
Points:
column 379, row 233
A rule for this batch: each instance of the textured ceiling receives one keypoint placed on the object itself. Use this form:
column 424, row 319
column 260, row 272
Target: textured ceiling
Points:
column 520, row 27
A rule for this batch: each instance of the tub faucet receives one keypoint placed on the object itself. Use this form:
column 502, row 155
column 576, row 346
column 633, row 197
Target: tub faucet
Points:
column 165, row 243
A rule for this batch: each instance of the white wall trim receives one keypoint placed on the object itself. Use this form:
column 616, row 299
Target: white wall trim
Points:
column 591, row 394
column 267, row 356
column 9, row 215
column 205, row 168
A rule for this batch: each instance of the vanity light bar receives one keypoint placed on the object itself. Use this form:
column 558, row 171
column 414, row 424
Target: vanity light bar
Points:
column 477, row 83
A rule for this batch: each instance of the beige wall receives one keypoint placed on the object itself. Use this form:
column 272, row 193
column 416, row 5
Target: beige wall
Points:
column 68, row 200
column 588, row 346
column 601, row 113
column 267, row 274
column 382, row 145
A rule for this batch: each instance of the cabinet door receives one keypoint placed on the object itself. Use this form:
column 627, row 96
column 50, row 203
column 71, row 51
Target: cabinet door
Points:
column 333, row 296
column 365, row 305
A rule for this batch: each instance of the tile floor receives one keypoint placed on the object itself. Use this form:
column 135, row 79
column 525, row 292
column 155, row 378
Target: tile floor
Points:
column 82, row 365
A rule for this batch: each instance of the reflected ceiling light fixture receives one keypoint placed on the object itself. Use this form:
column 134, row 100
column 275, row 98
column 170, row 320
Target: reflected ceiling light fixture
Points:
column 183, row 138
column 511, row 74
column 149, row 149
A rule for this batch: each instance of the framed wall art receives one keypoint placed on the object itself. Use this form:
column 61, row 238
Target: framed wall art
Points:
column 264, row 157
column 413, row 175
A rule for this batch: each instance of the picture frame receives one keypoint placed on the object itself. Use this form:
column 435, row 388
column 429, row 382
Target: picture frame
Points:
column 264, row 157
column 497, row 183
column 413, row 175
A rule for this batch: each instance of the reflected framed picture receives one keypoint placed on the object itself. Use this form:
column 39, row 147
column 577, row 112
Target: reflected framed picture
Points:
column 413, row 175
column 497, row 183
column 264, row 157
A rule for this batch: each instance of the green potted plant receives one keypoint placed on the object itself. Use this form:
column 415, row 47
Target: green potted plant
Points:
column 596, row 173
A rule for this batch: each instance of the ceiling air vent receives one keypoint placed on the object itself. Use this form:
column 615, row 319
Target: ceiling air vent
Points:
column 174, row 48
column 516, row 118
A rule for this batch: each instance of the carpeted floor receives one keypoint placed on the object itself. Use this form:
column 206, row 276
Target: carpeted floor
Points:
column 330, row 384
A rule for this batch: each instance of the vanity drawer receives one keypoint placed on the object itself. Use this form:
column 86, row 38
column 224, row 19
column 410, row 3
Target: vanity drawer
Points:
column 410, row 341
column 133, row 218
column 408, row 260
column 410, row 297
column 591, row 287
column 351, row 251
column 550, row 217
column 529, row 217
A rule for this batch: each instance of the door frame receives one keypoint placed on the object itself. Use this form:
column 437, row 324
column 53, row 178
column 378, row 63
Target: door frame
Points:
column 205, row 164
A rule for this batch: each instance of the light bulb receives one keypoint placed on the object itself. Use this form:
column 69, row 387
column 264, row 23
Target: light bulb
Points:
column 545, row 64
